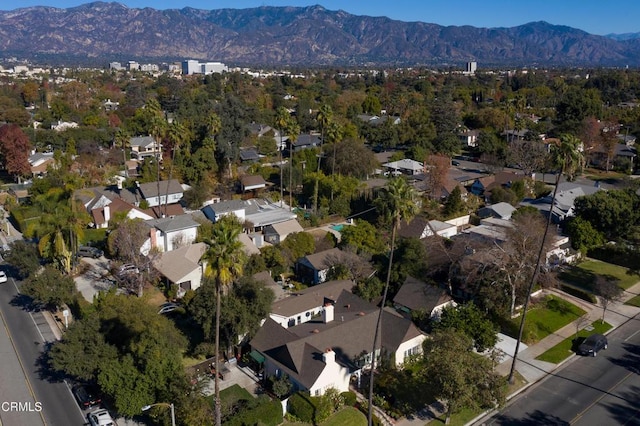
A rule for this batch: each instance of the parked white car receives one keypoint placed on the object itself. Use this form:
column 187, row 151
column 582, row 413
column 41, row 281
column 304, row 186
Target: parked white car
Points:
column 100, row 418
column 3, row 277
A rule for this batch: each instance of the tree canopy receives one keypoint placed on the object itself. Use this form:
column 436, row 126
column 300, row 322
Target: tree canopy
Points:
column 134, row 354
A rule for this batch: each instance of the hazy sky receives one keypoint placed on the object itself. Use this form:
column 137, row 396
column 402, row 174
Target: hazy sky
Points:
column 593, row 16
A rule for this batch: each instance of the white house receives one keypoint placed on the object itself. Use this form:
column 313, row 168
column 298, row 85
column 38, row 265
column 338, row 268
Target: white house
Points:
column 259, row 213
column 405, row 166
column 145, row 146
column 421, row 228
column 149, row 191
column 170, row 233
column 334, row 344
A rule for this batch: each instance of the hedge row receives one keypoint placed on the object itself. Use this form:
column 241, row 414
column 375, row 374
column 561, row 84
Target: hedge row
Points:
column 618, row 255
column 582, row 294
column 266, row 412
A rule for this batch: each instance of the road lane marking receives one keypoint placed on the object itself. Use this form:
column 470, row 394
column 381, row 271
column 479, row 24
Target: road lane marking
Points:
column 608, row 392
column 632, row 335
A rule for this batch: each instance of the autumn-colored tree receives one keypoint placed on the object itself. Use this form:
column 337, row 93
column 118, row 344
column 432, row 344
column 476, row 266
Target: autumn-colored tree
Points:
column 14, row 150
column 436, row 170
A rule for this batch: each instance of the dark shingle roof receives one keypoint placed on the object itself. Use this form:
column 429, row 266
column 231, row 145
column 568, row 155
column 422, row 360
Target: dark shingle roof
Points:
column 298, row 350
column 415, row 294
column 150, row 189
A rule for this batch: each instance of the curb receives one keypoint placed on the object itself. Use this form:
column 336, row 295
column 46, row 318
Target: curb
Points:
column 528, row 385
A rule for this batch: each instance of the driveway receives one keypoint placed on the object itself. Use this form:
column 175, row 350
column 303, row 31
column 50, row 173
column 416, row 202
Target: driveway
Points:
column 95, row 278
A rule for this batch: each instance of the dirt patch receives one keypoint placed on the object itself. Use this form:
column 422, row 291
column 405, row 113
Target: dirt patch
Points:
column 154, row 296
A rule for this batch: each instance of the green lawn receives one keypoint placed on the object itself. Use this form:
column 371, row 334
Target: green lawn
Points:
column 461, row 418
column 565, row 348
column 348, row 416
column 585, row 274
column 234, row 393
column 546, row 317
column 634, row 302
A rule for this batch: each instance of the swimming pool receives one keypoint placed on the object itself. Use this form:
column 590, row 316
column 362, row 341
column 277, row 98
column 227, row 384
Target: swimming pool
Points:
column 338, row 227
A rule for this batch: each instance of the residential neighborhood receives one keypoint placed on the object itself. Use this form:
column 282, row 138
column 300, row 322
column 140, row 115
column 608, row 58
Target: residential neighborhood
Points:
column 313, row 254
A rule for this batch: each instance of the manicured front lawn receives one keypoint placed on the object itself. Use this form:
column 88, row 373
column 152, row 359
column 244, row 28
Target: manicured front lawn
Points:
column 634, row 302
column 460, row 418
column 563, row 349
column 585, row 273
column 348, row 416
column 545, row 317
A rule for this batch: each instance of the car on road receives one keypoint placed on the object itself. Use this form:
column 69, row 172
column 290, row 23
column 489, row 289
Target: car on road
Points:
column 593, row 344
column 455, row 163
column 100, row 418
column 3, row 277
column 165, row 308
column 87, row 396
column 87, row 251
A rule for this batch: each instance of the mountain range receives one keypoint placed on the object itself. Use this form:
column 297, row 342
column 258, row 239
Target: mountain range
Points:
column 295, row 36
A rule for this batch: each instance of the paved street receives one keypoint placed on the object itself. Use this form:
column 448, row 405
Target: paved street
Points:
column 588, row 391
column 30, row 332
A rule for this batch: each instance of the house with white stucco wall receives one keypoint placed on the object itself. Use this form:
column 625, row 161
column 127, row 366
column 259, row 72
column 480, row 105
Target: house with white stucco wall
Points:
column 321, row 337
column 170, row 233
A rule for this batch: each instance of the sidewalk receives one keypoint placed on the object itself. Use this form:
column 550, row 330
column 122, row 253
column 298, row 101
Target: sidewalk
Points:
column 533, row 370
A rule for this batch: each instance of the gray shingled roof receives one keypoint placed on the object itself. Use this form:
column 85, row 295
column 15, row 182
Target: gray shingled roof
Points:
column 150, row 189
column 415, row 295
column 298, row 350
column 310, row 297
column 319, row 260
column 171, row 224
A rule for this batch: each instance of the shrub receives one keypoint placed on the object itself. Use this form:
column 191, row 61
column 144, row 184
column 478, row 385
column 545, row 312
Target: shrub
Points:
column 265, row 412
column 349, row 398
column 582, row 294
column 301, row 406
column 618, row 255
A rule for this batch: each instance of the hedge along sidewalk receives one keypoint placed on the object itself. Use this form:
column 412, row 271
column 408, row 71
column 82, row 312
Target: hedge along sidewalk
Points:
column 563, row 350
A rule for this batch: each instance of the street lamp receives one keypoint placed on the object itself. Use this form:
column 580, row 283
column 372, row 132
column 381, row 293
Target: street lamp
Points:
column 164, row 404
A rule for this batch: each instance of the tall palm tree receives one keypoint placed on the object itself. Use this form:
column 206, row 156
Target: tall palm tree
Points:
column 567, row 155
column 293, row 129
column 397, row 203
column 224, row 259
column 121, row 140
column 177, row 134
column 157, row 129
column 324, row 117
column 281, row 122
column 334, row 135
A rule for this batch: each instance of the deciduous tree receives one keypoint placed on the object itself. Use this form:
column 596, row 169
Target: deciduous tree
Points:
column 132, row 352
column 14, row 149
column 471, row 321
column 50, row 288
column 458, row 376
column 607, row 291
